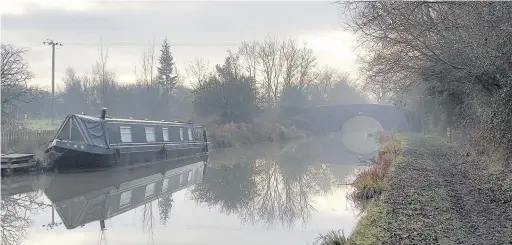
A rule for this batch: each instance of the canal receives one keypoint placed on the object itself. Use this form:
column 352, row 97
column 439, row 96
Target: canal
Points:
column 264, row 194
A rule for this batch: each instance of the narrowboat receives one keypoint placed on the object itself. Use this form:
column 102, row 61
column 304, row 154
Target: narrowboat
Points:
column 84, row 141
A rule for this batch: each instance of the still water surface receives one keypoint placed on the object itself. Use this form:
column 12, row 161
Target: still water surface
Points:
column 264, row 194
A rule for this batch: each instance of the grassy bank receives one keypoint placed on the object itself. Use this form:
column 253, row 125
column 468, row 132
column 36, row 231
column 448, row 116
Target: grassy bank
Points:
column 42, row 124
column 235, row 134
column 433, row 193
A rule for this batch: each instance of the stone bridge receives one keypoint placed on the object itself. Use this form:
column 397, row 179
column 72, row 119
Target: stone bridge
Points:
column 326, row 119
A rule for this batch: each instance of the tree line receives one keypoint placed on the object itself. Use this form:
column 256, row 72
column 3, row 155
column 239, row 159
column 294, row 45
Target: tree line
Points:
column 259, row 77
column 448, row 63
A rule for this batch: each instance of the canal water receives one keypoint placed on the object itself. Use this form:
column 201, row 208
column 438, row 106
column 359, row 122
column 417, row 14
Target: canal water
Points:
column 264, row 194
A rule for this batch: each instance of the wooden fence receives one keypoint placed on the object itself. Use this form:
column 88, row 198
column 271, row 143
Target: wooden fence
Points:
column 25, row 139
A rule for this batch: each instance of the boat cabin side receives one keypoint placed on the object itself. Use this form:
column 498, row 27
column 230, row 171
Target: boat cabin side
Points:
column 104, row 133
column 131, row 132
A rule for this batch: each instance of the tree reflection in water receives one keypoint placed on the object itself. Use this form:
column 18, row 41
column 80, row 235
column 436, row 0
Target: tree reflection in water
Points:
column 16, row 212
column 164, row 207
column 148, row 221
column 271, row 191
column 232, row 188
column 103, row 238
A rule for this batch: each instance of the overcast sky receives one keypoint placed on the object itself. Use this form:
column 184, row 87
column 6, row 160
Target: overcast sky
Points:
column 204, row 29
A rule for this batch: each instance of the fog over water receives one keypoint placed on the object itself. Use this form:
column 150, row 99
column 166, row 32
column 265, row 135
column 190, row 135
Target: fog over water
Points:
column 276, row 193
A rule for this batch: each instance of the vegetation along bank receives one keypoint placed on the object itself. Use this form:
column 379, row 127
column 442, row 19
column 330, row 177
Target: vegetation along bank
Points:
column 423, row 190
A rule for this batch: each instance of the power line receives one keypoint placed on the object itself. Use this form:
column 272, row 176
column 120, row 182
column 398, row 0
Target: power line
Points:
column 159, row 44
column 135, row 44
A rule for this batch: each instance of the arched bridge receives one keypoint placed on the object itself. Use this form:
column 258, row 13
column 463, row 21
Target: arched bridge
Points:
column 325, row 119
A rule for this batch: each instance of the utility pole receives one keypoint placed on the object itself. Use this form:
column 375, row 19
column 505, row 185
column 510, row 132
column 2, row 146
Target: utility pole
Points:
column 53, row 44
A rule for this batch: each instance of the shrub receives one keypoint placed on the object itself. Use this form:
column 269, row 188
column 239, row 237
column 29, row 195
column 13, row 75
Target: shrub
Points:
column 333, row 238
column 227, row 95
column 370, row 182
column 496, row 117
column 233, row 134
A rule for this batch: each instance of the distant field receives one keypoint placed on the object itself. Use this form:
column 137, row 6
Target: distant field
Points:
column 42, row 124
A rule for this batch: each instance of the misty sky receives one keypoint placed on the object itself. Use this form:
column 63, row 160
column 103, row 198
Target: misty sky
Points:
column 205, row 29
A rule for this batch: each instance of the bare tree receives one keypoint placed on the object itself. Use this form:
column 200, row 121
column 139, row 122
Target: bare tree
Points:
column 428, row 41
column 249, row 57
column 272, row 66
column 150, row 91
column 291, row 58
column 148, row 63
column 15, row 74
column 234, row 63
column 89, row 84
column 306, row 66
column 326, row 80
column 200, row 70
column 16, row 211
column 455, row 55
column 74, row 92
column 101, row 82
column 102, row 64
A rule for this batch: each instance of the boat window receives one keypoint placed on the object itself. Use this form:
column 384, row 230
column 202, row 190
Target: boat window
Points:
column 165, row 133
column 165, row 184
column 126, row 133
column 125, row 198
column 189, row 176
column 181, row 178
column 74, row 132
column 181, row 134
column 197, row 134
column 150, row 134
column 174, row 134
column 190, row 137
column 64, row 133
column 150, row 190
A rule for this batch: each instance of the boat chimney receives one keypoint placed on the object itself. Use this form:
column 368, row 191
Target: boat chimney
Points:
column 103, row 113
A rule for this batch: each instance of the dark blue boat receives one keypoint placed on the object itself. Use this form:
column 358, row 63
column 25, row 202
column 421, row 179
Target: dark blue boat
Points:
column 96, row 142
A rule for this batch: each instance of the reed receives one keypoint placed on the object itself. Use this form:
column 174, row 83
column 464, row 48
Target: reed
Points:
column 333, row 238
column 370, row 182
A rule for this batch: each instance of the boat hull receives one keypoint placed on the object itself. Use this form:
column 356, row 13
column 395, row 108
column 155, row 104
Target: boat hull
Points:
column 66, row 158
column 130, row 154
column 70, row 159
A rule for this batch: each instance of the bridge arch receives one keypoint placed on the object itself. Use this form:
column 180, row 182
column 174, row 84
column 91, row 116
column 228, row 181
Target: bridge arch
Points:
column 326, row 119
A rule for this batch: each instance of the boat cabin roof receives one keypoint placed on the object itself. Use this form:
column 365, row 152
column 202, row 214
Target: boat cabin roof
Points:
column 132, row 121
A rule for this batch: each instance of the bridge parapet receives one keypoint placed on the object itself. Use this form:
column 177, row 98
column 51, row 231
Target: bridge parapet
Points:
column 325, row 119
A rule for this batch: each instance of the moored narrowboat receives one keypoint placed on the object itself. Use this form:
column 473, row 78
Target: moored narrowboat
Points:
column 95, row 142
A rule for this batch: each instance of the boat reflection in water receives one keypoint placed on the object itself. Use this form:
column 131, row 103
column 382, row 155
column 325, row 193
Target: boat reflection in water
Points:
column 82, row 198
